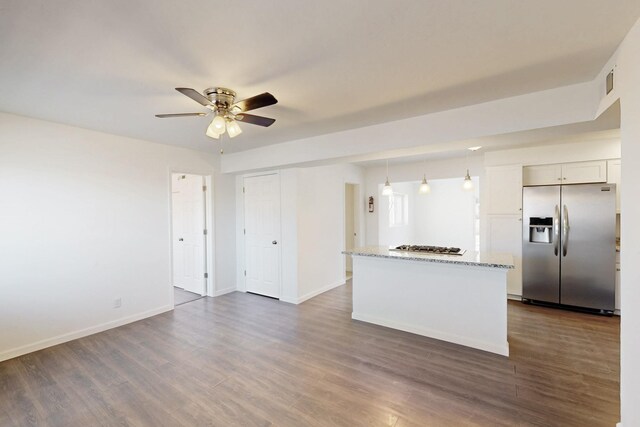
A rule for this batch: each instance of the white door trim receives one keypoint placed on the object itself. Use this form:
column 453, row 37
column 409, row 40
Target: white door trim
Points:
column 210, row 283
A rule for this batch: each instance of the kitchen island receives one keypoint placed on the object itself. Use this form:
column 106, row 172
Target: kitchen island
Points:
column 456, row 298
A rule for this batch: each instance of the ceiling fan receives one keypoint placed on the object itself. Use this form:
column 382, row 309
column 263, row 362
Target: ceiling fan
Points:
column 227, row 112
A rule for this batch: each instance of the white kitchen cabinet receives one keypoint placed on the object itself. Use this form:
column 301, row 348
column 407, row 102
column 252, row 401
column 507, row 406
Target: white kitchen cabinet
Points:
column 613, row 177
column 566, row 173
column 618, row 287
column 504, row 235
column 584, row 172
column 504, row 186
column 542, row 175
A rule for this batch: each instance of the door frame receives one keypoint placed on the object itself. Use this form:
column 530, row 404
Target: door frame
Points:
column 241, row 252
column 357, row 214
column 209, row 244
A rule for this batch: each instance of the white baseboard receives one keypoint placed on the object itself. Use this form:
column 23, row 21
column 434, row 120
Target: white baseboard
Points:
column 289, row 299
column 456, row 339
column 514, row 297
column 70, row 336
column 224, row 291
column 312, row 294
column 320, row 291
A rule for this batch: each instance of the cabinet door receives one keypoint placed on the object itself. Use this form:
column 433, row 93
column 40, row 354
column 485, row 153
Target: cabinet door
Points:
column 613, row 177
column 504, row 235
column 504, row 184
column 542, row 175
column 584, row 172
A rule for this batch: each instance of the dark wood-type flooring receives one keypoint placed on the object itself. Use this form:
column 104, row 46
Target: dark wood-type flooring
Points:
column 245, row 360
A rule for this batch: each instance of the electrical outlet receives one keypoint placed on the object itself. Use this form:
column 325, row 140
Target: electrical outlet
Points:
column 117, row 303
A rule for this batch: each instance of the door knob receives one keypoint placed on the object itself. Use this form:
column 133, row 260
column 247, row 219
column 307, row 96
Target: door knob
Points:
column 181, row 240
column 275, row 242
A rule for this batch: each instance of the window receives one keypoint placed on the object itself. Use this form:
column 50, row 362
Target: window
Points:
column 398, row 210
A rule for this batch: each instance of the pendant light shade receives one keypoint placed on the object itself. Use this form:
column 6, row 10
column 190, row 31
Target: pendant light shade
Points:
column 387, row 190
column 424, row 186
column 467, row 184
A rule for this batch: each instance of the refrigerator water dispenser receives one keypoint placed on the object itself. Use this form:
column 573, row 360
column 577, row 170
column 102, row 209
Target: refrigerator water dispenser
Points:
column 540, row 229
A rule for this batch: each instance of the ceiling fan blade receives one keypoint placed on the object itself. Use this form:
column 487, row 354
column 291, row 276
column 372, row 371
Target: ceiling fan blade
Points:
column 195, row 95
column 164, row 116
column 255, row 120
column 255, row 102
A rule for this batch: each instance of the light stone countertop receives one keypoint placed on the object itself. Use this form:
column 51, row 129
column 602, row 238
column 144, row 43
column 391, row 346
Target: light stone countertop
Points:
column 471, row 258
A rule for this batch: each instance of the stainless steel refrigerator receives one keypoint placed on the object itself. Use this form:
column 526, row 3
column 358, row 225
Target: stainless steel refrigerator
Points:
column 569, row 245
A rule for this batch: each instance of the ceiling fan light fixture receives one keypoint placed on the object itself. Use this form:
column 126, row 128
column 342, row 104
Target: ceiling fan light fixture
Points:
column 233, row 128
column 212, row 132
column 219, row 124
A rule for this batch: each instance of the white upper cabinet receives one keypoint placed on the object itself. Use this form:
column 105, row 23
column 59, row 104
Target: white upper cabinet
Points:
column 504, row 185
column 566, row 173
column 613, row 177
column 584, row 172
column 542, row 175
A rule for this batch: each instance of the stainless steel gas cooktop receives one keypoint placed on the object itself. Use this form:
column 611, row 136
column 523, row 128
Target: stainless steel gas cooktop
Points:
column 438, row 250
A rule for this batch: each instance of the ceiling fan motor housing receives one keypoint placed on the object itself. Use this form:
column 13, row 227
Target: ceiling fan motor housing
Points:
column 221, row 97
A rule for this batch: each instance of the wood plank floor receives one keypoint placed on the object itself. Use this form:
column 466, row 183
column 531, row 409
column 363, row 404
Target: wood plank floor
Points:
column 245, row 360
column 180, row 296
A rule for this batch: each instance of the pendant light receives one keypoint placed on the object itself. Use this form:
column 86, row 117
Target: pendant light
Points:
column 387, row 190
column 467, row 184
column 424, row 185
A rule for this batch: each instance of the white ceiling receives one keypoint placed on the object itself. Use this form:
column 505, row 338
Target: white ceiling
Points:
column 333, row 65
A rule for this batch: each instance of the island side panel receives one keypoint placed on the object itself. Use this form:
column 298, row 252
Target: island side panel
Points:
column 462, row 304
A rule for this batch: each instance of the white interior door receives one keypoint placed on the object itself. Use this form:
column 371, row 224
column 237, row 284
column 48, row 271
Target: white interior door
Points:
column 262, row 234
column 188, row 209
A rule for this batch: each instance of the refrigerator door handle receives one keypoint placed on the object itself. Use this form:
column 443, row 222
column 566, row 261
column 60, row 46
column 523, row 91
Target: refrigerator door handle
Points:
column 556, row 230
column 565, row 230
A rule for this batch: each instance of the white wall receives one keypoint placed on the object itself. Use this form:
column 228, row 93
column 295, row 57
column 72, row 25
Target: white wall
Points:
column 446, row 216
column 398, row 235
column 453, row 168
column 84, row 219
column 224, row 228
column 554, row 107
column 312, row 223
column 628, row 89
column 596, row 147
column 321, row 226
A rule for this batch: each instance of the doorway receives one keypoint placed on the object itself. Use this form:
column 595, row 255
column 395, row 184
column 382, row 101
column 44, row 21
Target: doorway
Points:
column 351, row 223
column 262, row 234
column 189, row 236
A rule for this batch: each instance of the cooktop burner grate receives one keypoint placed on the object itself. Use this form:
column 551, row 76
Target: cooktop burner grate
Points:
column 441, row 250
